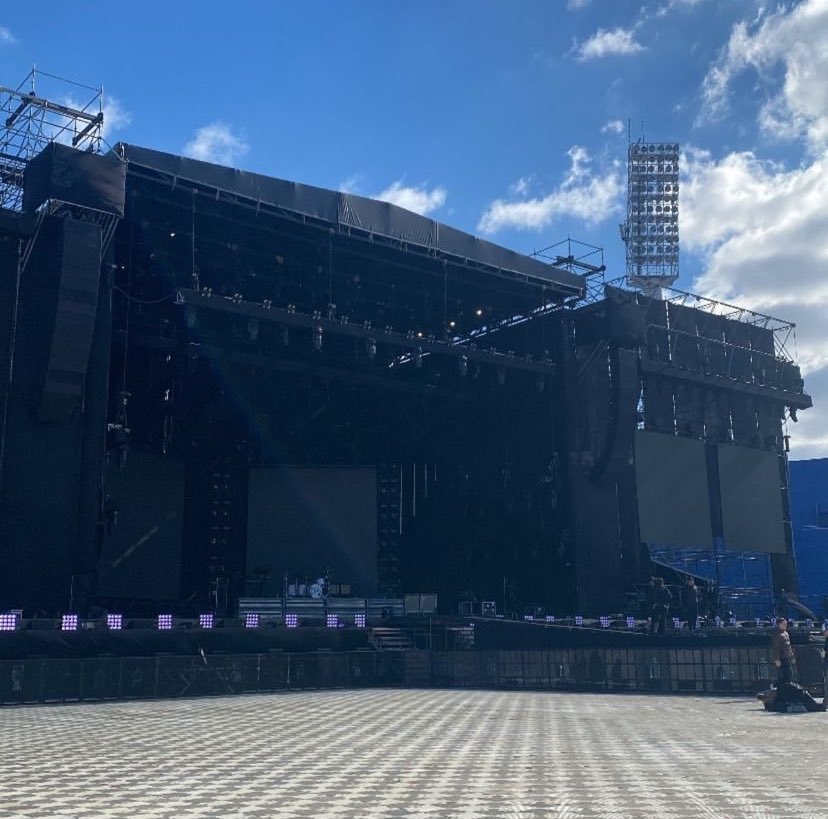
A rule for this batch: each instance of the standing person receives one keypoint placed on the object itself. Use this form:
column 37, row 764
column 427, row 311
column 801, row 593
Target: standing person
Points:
column 782, row 654
column 825, row 665
column 662, row 597
column 691, row 603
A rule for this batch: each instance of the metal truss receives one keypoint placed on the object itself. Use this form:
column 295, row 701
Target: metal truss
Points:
column 783, row 331
column 43, row 109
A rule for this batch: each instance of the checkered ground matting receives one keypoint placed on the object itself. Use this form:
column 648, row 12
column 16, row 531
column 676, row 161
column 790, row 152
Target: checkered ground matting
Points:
column 435, row 754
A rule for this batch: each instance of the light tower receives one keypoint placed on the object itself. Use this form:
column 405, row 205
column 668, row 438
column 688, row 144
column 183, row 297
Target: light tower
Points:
column 651, row 232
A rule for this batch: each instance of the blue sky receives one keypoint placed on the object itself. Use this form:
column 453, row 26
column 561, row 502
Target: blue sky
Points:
column 507, row 119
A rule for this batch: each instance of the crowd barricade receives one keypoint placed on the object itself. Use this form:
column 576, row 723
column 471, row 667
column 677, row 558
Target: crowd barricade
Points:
column 38, row 680
column 734, row 670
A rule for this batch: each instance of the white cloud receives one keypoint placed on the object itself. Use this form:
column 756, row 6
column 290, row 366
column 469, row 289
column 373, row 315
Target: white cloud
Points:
column 762, row 230
column 671, row 5
column 420, row 200
column 797, row 39
column 606, row 43
column 521, row 186
column 614, row 126
column 572, row 5
column 352, row 184
column 116, row 117
column 762, row 227
column 216, row 143
column 6, row 37
column 582, row 195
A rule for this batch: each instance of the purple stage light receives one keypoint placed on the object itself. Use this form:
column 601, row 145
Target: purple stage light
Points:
column 114, row 622
column 205, row 620
column 579, row 620
column 292, row 620
column 550, row 618
column 332, row 621
column 251, row 620
column 631, row 622
column 69, row 622
column 8, row 622
column 605, row 621
column 359, row 620
column 165, row 622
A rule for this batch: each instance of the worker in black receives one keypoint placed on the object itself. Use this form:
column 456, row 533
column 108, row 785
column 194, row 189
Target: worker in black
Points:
column 661, row 599
column 782, row 655
column 690, row 602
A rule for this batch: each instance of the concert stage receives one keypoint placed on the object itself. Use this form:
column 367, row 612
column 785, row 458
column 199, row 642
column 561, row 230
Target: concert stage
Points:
column 219, row 386
column 401, row 753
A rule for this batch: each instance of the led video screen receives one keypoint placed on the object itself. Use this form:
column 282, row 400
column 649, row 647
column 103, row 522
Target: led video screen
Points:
column 752, row 515
column 672, row 489
column 303, row 522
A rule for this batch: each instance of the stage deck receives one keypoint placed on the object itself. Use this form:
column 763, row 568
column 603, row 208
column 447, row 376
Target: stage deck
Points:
column 413, row 753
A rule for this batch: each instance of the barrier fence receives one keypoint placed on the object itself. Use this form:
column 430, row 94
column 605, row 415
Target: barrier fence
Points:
column 691, row 671
column 166, row 676
column 696, row 671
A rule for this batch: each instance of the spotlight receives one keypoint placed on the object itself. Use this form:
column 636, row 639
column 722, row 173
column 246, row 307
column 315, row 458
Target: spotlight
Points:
column 317, row 339
column 69, row 622
column 172, row 234
column 292, row 620
column 451, row 324
column 332, row 621
column 371, row 348
column 165, row 622
column 8, row 622
column 359, row 620
column 205, row 620
column 114, row 622
column 251, row 620
column 478, row 312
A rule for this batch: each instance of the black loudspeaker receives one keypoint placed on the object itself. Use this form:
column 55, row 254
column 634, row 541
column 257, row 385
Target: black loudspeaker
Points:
column 78, row 273
column 627, row 320
column 616, row 453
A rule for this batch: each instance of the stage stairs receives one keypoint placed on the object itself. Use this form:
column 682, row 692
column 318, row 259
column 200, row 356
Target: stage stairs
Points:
column 386, row 638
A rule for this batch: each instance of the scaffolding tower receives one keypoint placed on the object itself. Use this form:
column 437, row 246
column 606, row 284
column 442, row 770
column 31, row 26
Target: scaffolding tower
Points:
column 40, row 110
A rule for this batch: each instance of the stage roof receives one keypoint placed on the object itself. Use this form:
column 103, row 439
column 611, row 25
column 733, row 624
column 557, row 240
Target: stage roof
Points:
column 346, row 212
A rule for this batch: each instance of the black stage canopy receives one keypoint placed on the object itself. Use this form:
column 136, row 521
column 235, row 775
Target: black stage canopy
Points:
column 346, row 212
